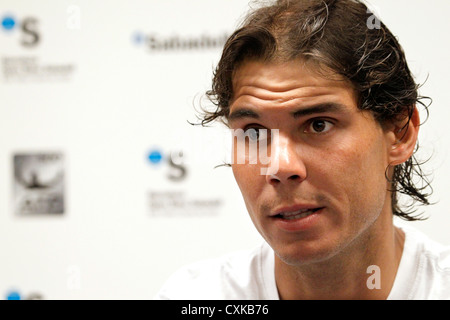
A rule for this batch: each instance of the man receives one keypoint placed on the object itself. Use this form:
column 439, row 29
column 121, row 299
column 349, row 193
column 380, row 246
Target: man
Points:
column 330, row 93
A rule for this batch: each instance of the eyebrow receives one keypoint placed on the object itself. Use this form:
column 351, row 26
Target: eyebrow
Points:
column 315, row 109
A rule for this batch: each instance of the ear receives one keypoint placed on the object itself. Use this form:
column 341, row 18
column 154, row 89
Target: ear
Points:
column 403, row 140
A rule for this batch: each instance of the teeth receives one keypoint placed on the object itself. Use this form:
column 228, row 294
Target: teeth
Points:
column 297, row 214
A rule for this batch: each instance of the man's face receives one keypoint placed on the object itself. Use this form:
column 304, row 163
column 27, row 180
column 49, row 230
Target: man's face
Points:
column 328, row 189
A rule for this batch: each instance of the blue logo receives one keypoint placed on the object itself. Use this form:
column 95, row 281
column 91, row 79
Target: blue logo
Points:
column 28, row 28
column 13, row 295
column 8, row 23
column 155, row 156
column 175, row 161
column 138, row 38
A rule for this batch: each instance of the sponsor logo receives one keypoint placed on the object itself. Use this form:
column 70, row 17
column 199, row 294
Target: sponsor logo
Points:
column 28, row 28
column 175, row 161
column 15, row 295
column 176, row 201
column 154, row 42
column 25, row 67
column 38, row 183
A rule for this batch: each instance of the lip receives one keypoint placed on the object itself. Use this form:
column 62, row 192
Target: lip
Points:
column 293, row 208
column 300, row 224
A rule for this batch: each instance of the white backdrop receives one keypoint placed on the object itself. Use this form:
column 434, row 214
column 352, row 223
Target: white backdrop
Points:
column 102, row 85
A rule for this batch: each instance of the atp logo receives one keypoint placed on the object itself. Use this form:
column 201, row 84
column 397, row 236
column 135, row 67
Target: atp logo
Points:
column 174, row 159
column 15, row 295
column 28, row 27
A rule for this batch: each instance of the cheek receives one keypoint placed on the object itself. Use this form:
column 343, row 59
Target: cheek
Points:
column 358, row 174
column 247, row 179
column 251, row 187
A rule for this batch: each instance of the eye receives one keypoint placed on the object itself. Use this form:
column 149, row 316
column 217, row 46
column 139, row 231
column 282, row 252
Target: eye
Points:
column 255, row 134
column 319, row 126
column 252, row 133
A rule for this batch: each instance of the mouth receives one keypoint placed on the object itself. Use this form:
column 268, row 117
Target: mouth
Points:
column 298, row 218
column 297, row 211
column 298, row 214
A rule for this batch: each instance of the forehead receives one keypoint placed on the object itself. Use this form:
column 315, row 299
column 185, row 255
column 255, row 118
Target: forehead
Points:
column 282, row 82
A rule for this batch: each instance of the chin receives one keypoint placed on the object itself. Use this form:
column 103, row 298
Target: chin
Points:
column 299, row 254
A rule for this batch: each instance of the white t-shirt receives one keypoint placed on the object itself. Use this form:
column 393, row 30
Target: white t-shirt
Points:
column 423, row 274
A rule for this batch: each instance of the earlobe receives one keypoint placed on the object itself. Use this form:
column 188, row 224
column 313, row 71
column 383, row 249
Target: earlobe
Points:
column 405, row 136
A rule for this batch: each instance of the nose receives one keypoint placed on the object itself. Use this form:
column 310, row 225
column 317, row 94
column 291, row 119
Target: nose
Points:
column 286, row 163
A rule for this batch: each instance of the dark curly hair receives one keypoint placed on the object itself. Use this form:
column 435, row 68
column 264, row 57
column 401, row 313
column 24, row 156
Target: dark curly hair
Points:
column 344, row 36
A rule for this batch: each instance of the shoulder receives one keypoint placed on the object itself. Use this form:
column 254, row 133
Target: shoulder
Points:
column 238, row 275
column 432, row 261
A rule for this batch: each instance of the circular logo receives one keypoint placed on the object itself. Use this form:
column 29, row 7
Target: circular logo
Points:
column 138, row 38
column 13, row 295
column 8, row 23
column 155, row 157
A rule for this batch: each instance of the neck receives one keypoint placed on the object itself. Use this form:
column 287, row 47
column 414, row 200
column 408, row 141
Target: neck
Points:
column 365, row 269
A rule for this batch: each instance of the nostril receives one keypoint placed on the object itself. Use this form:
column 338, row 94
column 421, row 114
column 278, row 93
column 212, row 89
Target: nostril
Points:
column 281, row 179
column 275, row 180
